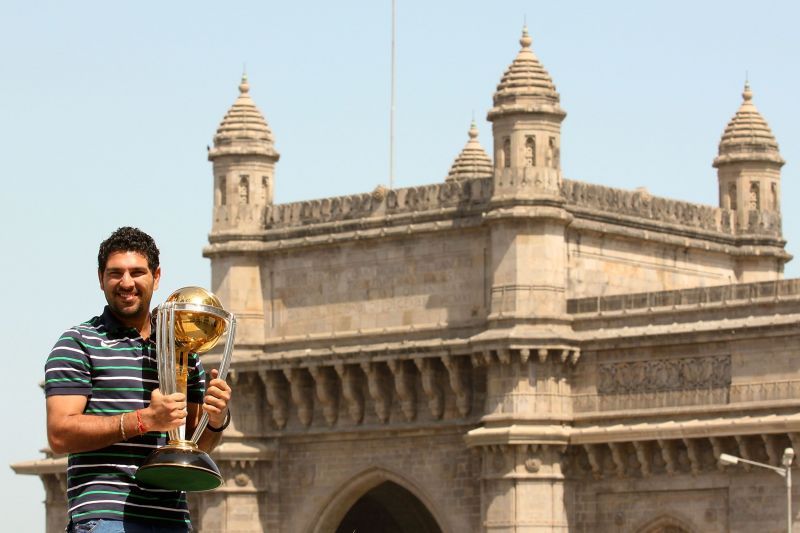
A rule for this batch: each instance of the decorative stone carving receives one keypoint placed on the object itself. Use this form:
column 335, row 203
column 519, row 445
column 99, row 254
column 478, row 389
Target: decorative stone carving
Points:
column 593, row 455
column 643, row 456
column 662, row 375
column 668, row 454
column 277, row 396
column 618, row 456
column 431, row 385
column 379, row 389
column 460, row 381
column 692, row 453
column 301, row 394
column 351, row 391
column 327, row 392
column 404, row 386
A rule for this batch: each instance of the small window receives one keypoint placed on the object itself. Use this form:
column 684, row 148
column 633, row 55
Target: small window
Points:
column 244, row 190
column 754, row 199
column 507, row 152
column 530, row 152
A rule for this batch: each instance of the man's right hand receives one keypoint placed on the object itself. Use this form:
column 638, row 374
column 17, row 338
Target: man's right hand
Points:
column 165, row 412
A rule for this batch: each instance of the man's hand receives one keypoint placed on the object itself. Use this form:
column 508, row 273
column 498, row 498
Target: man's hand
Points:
column 215, row 403
column 165, row 412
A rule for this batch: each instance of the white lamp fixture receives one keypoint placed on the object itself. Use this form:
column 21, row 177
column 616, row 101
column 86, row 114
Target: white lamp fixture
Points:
column 785, row 472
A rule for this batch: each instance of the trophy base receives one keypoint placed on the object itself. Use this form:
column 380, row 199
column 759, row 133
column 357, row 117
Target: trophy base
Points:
column 180, row 465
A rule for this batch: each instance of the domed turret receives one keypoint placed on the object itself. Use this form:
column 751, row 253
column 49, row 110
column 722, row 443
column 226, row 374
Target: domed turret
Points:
column 526, row 126
column 244, row 129
column 244, row 160
column 472, row 162
column 748, row 164
column 526, row 86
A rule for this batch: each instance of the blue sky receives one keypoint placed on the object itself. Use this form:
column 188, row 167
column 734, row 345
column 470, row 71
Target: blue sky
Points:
column 106, row 110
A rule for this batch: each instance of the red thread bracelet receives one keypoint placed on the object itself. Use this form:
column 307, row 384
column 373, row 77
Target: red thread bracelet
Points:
column 140, row 427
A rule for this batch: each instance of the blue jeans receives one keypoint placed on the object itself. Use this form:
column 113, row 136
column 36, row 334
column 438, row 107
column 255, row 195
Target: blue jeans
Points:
column 118, row 526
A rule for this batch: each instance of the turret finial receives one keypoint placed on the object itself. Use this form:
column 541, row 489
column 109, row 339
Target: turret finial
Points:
column 473, row 130
column 525, row 40
column 747, row 94
column 244, row 86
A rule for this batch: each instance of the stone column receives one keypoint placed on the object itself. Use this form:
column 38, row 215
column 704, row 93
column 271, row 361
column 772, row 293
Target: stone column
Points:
column 523, row 438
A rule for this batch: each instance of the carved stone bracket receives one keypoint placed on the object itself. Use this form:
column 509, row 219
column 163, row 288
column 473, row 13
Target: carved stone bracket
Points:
column 694, row 459
column 685, row 455
column 643, row 456
column 277, row 396
column 379, row 389
column 404, row 386
column 327, row 392
column 460, row 381
column 302, row 397
column 716, row 447
column 668, row 455
column 431, row 385
column 593, row 455
column 618, row 457
column 744, row 451
column 351, row 391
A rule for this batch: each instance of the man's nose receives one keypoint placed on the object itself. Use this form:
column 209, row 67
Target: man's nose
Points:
column 126, row 280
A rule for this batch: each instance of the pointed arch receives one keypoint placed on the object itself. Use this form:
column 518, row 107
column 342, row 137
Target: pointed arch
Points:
column 665, row 523
column 345, row 497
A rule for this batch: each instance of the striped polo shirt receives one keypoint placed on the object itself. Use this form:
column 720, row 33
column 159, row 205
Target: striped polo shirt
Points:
column 115, row 368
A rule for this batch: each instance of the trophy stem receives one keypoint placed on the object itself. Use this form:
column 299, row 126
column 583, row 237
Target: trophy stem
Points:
column 178, row 435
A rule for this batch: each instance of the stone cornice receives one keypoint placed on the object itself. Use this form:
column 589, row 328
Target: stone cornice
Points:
column 707, row 427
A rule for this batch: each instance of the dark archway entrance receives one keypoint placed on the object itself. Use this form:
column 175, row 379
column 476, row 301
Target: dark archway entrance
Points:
column 388, row 508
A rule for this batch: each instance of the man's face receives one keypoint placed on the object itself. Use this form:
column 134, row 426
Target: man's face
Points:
column 128, row 285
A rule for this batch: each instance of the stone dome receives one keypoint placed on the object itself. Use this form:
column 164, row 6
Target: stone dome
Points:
column 526, row 86
column 472, row 162
column 747, row 136
column 243, row 130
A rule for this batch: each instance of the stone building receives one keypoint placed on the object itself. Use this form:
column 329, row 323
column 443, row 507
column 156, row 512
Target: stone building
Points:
column 507, row 350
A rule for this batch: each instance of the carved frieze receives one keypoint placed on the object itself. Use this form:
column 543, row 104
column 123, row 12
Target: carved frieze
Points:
column 664, row 375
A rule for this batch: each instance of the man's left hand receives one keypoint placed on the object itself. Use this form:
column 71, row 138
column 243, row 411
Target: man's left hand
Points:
column 215, row 403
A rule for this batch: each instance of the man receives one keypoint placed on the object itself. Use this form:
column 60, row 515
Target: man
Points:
column 104, row 407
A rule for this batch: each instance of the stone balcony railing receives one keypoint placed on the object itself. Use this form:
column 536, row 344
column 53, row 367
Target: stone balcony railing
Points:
column 684, row 297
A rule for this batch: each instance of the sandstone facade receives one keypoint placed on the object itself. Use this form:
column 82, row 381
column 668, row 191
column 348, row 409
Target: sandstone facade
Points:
column 507, row 350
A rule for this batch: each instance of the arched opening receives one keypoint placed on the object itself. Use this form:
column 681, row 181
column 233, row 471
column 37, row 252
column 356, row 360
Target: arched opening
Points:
column 388, row 508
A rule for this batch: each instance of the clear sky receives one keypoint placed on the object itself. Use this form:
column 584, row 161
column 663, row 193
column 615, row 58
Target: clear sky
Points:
column 106, row 109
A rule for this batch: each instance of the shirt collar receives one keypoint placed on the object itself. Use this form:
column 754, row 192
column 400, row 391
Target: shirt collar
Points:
column 115, row 327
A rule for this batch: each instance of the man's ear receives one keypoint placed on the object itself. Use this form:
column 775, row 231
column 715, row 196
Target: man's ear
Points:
column 100, row 278
column 156, row 277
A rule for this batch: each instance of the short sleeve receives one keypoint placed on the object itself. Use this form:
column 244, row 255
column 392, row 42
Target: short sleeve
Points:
column 196, row 384
column 68, row 367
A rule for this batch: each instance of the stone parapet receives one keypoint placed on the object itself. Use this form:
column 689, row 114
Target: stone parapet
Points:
column 615, row 204
column 381, row 202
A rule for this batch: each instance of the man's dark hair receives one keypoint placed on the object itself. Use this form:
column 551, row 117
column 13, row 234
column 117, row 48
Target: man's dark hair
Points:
column 128, row 239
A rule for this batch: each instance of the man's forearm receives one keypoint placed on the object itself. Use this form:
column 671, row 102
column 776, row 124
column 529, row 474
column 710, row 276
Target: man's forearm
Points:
column 82, row 433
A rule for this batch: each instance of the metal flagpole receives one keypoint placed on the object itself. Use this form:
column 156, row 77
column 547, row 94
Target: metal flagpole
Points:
column 392, row 105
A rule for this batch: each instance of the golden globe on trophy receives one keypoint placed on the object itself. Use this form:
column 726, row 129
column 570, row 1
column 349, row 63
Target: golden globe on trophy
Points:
column 191, row 320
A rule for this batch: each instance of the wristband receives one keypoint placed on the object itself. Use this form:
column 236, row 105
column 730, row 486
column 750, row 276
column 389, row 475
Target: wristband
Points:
column 224, row 424
column 122, row 426
column 140, row 427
